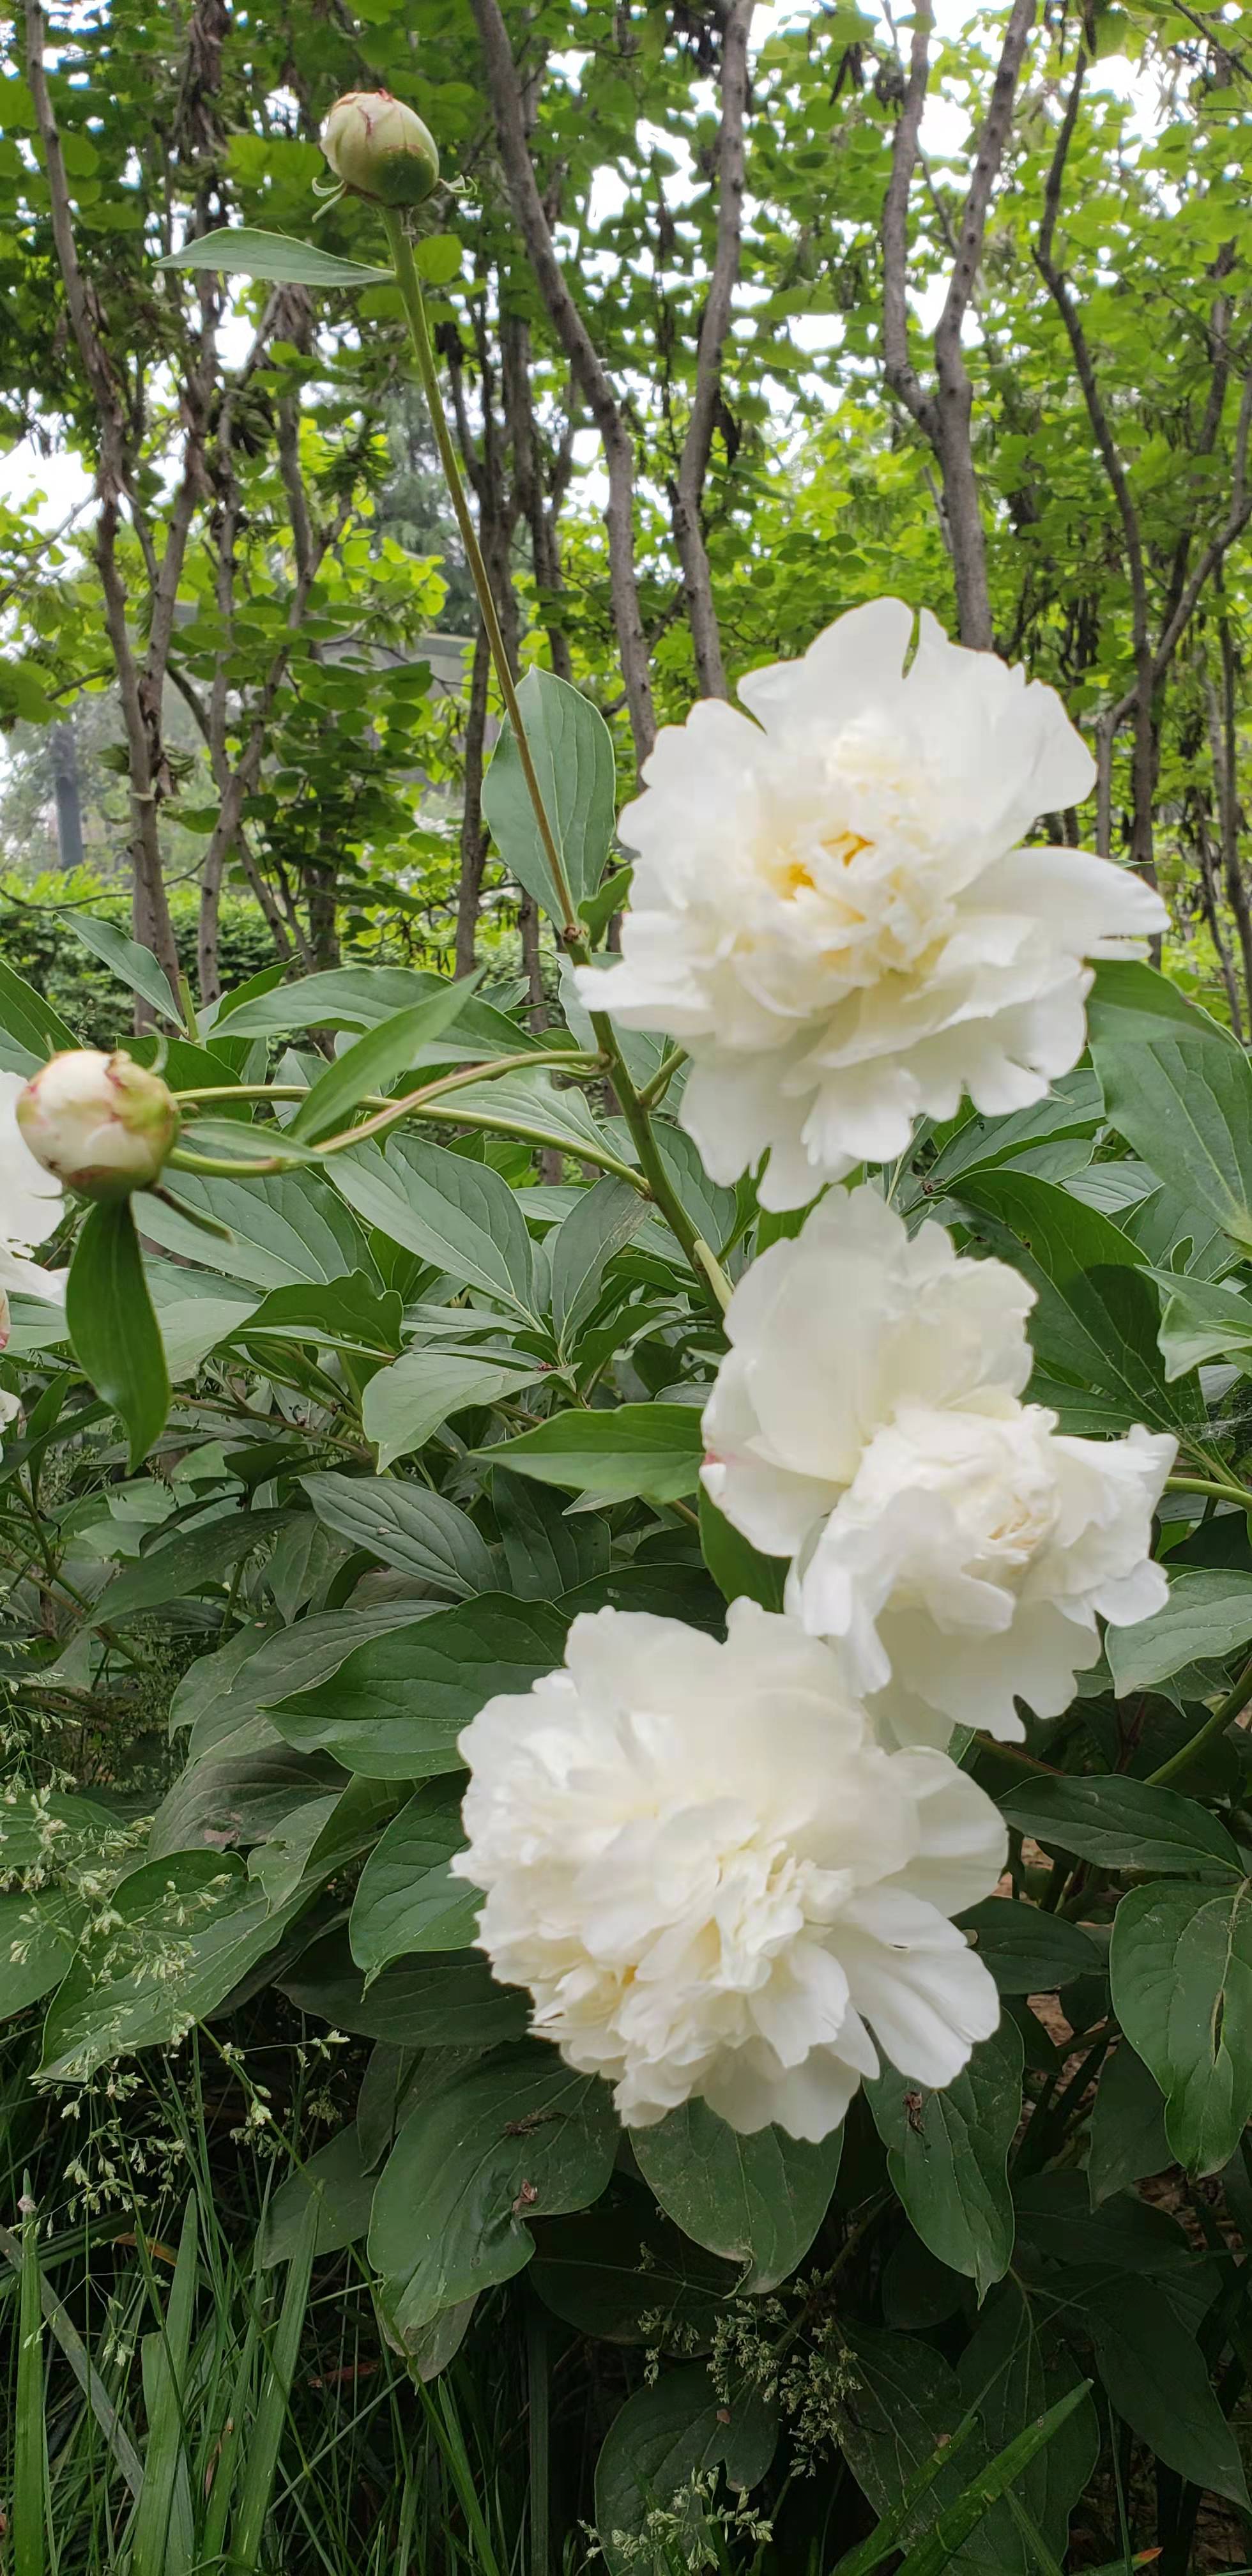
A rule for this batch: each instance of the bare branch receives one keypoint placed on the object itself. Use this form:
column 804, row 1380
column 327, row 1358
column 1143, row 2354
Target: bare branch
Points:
column 715, row 323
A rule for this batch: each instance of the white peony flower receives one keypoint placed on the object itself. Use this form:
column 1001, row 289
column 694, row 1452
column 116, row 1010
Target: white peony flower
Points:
column 101, row 1124
column 867, row 1423
column 30, row 1203
column 832, row 910
column 712, row 1877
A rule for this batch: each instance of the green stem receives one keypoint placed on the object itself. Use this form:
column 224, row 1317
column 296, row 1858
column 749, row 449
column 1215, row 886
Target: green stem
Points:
column 1218, row 1487
column 410, row 287
column 634, row 1111
column 1232, row 1706
column 652, row 1092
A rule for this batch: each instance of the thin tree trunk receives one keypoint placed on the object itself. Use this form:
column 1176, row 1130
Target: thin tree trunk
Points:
column 64, row 747
column 1212, row 915
column 1224, row 749
column 474, row 836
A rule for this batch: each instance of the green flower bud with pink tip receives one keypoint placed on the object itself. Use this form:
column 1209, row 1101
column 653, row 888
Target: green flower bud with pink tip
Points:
column 380, row 148
column 102, row 1124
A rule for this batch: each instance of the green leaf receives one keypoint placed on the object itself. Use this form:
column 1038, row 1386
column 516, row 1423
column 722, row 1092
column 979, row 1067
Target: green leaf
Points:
column 1178, row 1088
column 238, row 251
column 548, row 1551
column 406, row 1526
column 407, row 1901
column 597, row 1228
column 179, row 1934
column 1126, row 2140
column 1157, row 2378
column 1121, row 1824
column 336, row 2180
column 1181, row 1966
column 948, row 2155
column 346, row 1314
column 649, row 1451
column 738, row 1568
column 958, row 2520
column 38, row 1934
column 531, row 1105
column 133, row 966
column 1206, row 1618
column 30, row 1030
column 1012, row 2376
column 359, row 997
column 216, row 1805
column 285, row 1229
column 572, row 752
column 395, row 1708
column 1096, row 1319
column 455, row 1213
column 757, row 2201
column 1027, row 1951
column 187, row 1562
column 375, row 1059
column 622, row 2272
column 222, row 1697
column 451, row 2002
column 655, row 2449
column 116, row 1338
column 521, row 2135
column 404, row 1405
column 1201, row 1321
column 437, row 257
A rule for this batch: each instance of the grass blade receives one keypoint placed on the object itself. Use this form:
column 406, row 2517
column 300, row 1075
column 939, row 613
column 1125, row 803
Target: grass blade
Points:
column 267, row 2432
column 30, row 2445
column 954, row 2525
column 85, row 2372
column 884, row 2539
column 163, row 2542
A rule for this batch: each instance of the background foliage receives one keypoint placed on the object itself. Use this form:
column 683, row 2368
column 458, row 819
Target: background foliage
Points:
column 1005, row 2327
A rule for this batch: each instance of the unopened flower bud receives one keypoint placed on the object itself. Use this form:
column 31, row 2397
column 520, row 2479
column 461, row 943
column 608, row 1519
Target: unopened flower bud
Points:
column 380, row 148
column 101, row 1123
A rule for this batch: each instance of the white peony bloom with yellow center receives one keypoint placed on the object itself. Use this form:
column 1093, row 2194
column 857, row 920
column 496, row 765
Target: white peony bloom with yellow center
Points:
column 833, row 912
column 867, row 1422
column 30, row 1204
column 713, row 1879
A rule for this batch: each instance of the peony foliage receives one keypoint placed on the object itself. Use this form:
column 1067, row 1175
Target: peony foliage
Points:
column 719, row 1674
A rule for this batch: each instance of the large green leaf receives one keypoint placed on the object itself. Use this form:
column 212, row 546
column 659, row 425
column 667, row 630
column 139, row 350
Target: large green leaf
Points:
column 222, row 1696
column 284, row 1228
column 948, row 2155
column 178, row 1935
column 624, row 2272
column 532, row 1106
column 657, row 2447
column 571, row 750
column 237, row 250
column 407, row 1901
column 1179, row 1089
column 395, row 1708
column 1029, row 1952
column 347, row 1314
column 1206, row 1618
column 521, row 2135
column 135, row 967
column 438, row 2003
column 359, row 997
column 758, row 2201
column 186, row 1562
column 1012, row 2376
column 116, row 1337
column 1202, row 1321
column 408, row 1527
column 30, row 1030
column 455, row 1213
column 1158, row 2381
column 649, row 1451
column 548, row 1550
column 736, row 1566
column 1126, row 2140
column 1097, row 1317
column 1181, row 1965
column 404, row 1405
column 375, row 1059
column 1121, row 1824
column 336, row 2180
column 599, row 1226
column 38, row 1934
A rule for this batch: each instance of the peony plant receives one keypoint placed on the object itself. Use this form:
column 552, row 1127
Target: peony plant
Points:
column 719, row 1679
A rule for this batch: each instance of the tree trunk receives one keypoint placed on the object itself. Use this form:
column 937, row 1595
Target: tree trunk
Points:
column 64, row 745
column 474, row 837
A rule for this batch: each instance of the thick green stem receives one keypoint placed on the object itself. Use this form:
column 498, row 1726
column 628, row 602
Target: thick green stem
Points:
column 1221, row 1490
column 1232, row 1706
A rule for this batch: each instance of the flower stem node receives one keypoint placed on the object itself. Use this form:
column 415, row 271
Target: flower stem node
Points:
column 101, row 1123
column 380, row 149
